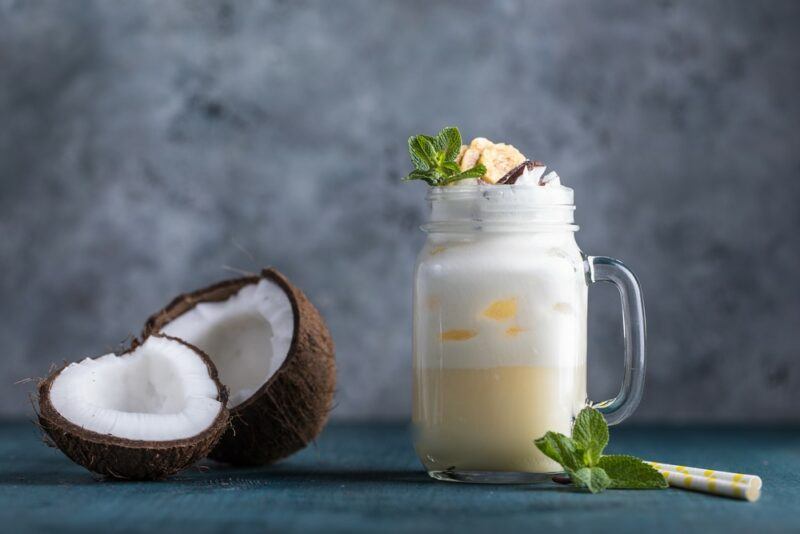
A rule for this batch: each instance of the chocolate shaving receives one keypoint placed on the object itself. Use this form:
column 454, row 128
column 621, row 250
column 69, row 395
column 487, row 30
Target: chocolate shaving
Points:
column 513, row 175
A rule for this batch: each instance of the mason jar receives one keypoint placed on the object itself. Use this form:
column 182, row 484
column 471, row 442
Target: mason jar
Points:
column 500, row 300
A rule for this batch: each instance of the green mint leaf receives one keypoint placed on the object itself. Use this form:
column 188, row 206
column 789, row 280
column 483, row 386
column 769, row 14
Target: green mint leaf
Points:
column 595, row 479
column 435, row 152
column 560, row 448
column 417, row 157
column 475, row 172
column 590, row 433
column 628, row 472
column 432, row 140
column 582, row 457
column 421, row 153
column 449, row 142
column 547, row 445
column 429, row 151
column 451, row 167
column 435, row 157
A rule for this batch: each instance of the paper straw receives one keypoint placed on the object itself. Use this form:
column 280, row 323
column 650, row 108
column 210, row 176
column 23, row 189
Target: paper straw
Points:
column 734, row 485
column 710, row 473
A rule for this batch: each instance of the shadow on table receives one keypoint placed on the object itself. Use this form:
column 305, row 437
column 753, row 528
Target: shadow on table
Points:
column 358, row 476
column 58, row 474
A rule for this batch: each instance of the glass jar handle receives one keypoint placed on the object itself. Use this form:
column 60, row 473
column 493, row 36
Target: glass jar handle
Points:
column 603, row 269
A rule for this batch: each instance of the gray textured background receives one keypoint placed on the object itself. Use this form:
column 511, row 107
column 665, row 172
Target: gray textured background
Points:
column 144, row 144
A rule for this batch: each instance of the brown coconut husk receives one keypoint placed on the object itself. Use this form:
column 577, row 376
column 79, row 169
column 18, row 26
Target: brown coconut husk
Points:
column 291, row 408
column 125, row 458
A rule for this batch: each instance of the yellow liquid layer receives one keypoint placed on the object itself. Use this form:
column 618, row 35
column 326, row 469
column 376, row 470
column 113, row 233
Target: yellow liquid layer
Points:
column 487, row 419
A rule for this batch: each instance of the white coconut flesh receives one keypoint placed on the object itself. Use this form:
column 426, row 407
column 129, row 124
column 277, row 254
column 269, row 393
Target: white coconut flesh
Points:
column 160, row 391
column 247, row 336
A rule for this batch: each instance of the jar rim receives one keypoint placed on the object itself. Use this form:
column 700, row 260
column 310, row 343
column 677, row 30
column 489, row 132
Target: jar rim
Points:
column 504, row 208
column 528, row 194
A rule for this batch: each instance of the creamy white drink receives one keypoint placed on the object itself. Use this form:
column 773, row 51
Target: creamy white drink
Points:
column 499, row 326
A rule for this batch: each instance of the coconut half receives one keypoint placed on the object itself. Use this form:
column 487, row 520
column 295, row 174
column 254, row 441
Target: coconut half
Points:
column 273, row 352
column 145, row 414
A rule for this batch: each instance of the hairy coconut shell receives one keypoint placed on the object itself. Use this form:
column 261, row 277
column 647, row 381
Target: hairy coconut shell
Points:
column 291, row 408
column 125, row 458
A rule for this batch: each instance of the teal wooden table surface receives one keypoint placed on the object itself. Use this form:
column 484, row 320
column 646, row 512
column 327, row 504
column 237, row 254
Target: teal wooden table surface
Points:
column 365, row 478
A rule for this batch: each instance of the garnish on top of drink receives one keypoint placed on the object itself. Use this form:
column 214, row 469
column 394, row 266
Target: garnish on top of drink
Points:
column 442, row 160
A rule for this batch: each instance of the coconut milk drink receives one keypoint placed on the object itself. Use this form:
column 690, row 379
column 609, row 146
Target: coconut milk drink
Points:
column 500, row 306
column 500, row 353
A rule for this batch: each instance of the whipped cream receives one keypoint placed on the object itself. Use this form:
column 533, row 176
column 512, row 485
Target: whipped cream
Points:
column 537, row 176
column 531, row 176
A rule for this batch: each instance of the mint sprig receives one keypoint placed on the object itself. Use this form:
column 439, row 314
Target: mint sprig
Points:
column 582, row 457
column 434, row 158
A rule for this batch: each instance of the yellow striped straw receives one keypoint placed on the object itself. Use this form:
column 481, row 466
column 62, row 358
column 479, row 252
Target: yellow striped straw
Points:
column 734, row 485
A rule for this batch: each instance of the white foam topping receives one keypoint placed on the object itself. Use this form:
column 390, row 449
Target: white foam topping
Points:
column 457, row 282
